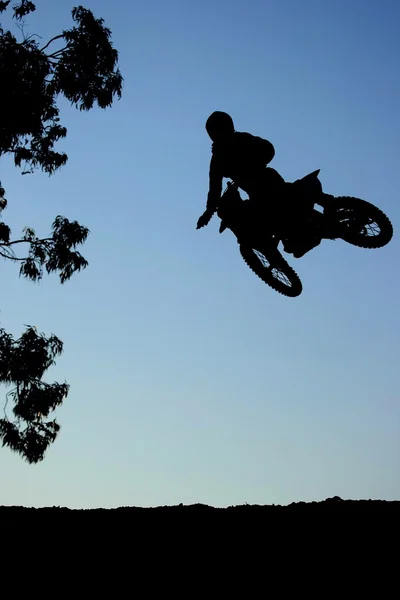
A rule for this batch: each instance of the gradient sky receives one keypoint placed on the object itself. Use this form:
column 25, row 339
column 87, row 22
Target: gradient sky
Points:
column 191, row 380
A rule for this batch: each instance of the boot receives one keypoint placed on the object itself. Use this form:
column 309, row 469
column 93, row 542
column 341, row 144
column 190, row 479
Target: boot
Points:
column 305, row 247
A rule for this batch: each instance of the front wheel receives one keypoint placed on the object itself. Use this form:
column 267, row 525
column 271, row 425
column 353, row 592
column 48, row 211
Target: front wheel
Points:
column 360, row 223
column 277, row 273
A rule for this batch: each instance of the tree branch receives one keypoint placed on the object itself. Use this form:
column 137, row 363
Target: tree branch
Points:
column 26, row 242
column 8, row 253
column 10, row 257
column 54, row 55
column 34, row 35
column 57, row 37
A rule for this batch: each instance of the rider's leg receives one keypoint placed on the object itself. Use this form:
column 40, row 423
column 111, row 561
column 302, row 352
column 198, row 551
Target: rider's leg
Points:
column 285, row 206
column 305, row 247
column 268, row 193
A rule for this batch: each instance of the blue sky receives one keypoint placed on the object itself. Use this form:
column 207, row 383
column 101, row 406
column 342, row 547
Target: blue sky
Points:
column 191, row 381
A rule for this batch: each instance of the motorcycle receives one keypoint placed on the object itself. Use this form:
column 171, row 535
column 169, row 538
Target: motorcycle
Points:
column 353, row 220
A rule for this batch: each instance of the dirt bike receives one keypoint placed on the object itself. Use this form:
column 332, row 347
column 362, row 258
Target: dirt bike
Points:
column 353, row 220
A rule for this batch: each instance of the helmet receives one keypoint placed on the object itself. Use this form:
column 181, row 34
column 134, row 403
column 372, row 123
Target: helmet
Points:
column 219, row 125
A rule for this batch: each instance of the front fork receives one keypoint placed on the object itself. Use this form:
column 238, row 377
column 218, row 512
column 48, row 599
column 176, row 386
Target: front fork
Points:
column 329, row 229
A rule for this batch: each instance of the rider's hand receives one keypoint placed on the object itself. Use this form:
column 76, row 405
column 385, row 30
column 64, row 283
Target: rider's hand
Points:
column 204, row 219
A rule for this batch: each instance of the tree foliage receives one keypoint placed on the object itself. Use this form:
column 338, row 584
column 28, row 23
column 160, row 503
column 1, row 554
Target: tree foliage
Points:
column 34, row 76
column 84, row 70
column 23, row 363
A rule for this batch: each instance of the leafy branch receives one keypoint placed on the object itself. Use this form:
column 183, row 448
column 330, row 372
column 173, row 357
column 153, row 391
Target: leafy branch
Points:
column 85, row 71
column 23, row 363
column 56, row 253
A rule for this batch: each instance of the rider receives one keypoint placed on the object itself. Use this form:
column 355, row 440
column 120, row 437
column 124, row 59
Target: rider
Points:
column 243, row 158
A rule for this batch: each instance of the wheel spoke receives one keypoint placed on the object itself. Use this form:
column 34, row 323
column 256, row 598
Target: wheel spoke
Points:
column 275, row 271
column 369, row 229
column 361, row 223
column 374, row 227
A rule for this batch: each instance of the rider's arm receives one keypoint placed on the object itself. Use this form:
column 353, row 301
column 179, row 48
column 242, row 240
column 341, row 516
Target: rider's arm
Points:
column 215, row 188
column 265, row 148
column 214, row 193
column 268, row 148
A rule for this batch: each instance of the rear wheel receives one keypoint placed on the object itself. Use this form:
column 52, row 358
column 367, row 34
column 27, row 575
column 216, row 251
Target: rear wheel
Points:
column 274, row 271
column 360, row 223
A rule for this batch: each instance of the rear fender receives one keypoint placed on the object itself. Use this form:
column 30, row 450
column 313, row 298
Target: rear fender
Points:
column 311, row 183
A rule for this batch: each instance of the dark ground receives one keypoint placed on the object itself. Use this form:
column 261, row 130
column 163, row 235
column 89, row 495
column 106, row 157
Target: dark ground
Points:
column 333, row 505
column 338, row 547
column 201, row 516
column 196, row 513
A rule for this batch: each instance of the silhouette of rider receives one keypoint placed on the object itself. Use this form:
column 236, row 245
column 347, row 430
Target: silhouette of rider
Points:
column 243, row 158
